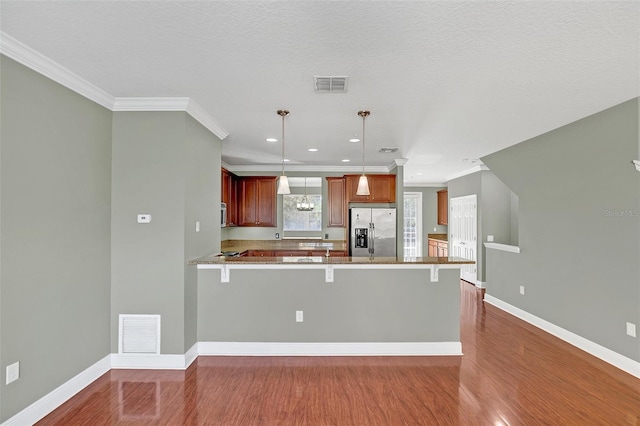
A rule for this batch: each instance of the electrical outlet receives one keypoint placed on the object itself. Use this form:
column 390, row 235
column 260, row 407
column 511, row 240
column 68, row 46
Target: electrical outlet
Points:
column 13, row 372
column 326, row 236
column 631, row 329
column 299, row 316
column 490, row 238
column 144, row 218
column 521, row 289
column 277, row 235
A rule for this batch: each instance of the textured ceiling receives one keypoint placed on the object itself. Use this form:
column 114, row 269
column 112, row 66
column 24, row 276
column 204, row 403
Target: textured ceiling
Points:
column 445, row 81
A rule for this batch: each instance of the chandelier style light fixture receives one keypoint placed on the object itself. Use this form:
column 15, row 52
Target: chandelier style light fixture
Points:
column 363, row 183
column 305, row 206
column 283, row 182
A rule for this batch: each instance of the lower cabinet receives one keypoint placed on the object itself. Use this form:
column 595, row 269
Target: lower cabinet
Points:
column 438, row 248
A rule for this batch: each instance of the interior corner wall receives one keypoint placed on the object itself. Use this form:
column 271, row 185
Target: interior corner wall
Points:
column 202, row 204
column 148, row 259
column 54, row 232
column 579, row 222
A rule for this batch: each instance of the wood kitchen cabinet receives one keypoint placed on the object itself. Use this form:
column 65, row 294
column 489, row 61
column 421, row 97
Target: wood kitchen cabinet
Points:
column 229, row 195
column 438, row 248
column 257, row 201
column 337, row 202
column 382, row 189
column 443, row 207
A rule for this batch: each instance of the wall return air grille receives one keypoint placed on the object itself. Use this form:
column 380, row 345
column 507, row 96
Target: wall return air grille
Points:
column 139, row 334
column 330, row 83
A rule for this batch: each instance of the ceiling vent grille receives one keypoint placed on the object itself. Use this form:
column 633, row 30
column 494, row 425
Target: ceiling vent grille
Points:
column 139, row 334
column 330, row 84
column 388, row 150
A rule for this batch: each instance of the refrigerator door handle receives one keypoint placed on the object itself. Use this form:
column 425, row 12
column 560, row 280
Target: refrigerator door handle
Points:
column 372, row 238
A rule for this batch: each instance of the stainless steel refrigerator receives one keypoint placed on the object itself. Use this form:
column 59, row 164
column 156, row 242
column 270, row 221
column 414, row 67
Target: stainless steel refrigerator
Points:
column 372, row 232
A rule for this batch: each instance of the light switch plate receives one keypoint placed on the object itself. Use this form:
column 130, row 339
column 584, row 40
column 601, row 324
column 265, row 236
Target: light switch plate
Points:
column 631, row 329
column 299, row 316
column 197, row 226
column 13, row 372
column 490, row 238
column 144, row 218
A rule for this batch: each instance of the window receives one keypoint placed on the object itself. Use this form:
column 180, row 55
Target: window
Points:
column 412, row 224
column 296, row 220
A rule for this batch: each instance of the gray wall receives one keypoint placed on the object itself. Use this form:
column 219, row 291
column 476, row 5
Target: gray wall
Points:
column 495, row 211
column 202, row 205
column 429, row 213
column 370, row 305
column 579, row 198
column 55, row 234
column 156, row 156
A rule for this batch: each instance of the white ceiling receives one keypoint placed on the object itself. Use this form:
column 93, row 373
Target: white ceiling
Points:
column 445, row 81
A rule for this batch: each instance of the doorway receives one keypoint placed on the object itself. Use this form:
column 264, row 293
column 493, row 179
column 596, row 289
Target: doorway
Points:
column 463, row 233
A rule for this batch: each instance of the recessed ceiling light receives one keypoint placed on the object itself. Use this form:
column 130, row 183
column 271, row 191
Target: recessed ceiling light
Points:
column 272, row 140
column 419, row 174
column 346, row 160
column 312, row 149
column 354, row 140
column 286, row 160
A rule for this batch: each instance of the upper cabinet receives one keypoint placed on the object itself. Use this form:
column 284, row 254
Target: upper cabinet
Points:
column 229, row 195
column 337, row 205
column 382, row 189
column 257, row 201
column 443, row 207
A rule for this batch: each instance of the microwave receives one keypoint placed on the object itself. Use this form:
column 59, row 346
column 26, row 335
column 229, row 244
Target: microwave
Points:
column 223, row 215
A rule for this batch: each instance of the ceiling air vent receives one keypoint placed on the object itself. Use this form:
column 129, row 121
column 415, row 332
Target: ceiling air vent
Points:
column 388, row 150
column 330, row 84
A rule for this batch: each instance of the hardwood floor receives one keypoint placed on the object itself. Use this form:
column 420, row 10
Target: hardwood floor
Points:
column 511, row 374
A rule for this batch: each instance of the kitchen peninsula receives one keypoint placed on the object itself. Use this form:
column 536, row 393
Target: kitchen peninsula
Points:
column 318, row 305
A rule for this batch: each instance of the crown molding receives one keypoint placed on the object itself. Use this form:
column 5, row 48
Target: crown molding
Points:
column 150, row 104
column 201, row 116
column 475, row 169
column 304, row 168
column 30, row 58
column 39, row 63
column 400, row 161
column 637, row 164
column 425, row 185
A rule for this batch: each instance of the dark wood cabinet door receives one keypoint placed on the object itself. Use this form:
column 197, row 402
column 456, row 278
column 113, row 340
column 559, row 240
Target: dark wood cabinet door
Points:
column 337, row 202
column 229, row 195
column 443, row 207
column 266, row 205
column 257, row 201
column 247, row 206
column 382, row 189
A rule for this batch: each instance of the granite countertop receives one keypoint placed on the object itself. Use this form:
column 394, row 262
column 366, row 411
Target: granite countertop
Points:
column 337, row 260
column 242, row 245
column 440, row 237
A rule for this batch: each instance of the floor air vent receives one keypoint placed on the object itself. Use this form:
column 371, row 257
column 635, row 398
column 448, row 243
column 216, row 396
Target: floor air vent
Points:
column 139, row 334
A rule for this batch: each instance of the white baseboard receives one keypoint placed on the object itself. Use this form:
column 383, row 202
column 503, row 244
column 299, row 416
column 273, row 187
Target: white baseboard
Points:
column 148, row 362
column 329, row 349
column 617, row 360
column 191, row 355
column 481, row 284
column 60, row 395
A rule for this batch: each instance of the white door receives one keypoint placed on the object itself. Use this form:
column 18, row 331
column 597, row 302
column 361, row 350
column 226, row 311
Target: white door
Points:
column 463, row 233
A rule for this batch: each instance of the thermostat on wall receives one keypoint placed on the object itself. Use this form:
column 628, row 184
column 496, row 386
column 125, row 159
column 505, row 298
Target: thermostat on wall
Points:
column 144, row 218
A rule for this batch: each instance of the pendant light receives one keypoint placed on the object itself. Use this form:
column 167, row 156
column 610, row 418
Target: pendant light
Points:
column 283, row 182
column 305, row 206
column 363, row 183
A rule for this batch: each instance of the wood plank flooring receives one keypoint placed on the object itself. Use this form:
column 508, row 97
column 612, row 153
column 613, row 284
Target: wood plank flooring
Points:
column 511, row 374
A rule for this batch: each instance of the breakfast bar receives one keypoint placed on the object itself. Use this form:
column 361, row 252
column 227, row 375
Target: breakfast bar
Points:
column 319, row 305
